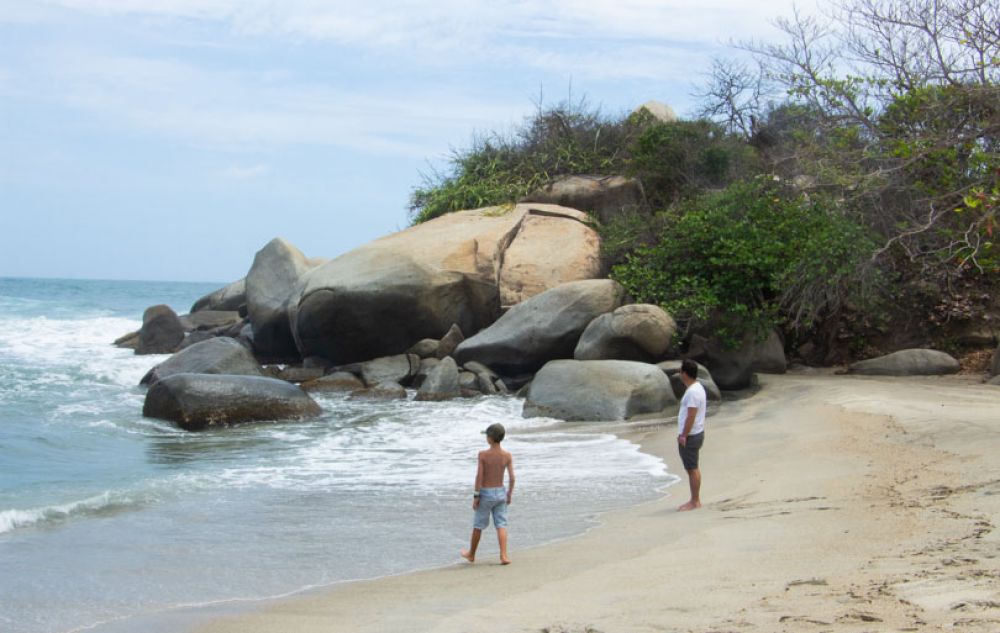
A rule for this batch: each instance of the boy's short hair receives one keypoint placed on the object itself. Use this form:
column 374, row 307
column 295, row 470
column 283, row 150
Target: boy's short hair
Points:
column 496, row 432
column 689, row 367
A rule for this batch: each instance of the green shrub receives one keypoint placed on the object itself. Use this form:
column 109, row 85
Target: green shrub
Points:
column 753, row 256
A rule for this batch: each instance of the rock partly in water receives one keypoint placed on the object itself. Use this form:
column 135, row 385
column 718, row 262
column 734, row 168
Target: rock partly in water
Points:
column 210, row 320
column 672, row 368
column 606, row 197
column 231, row 297
column 907, row 362
column 218, row 355
column 162, row 331
column 300, row 374
column 640, row 332
column 337, row 381
column 597, row 390
column 198, row 401
column 383, row 391
column 441, row 382
column 271, row 282
column 381, row 298
column 128, row 341
column 399, row 368
column 543, row 328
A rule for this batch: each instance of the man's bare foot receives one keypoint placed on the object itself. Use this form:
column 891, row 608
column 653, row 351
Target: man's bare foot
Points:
column 468, row 556
column 690, row 505
column 505, row 561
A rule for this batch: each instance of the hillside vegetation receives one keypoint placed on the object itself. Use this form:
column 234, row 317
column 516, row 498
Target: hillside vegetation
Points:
column 842, row 186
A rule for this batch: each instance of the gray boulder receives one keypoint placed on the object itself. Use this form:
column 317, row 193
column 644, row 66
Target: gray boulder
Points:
column 603, row 196
column 215, row 356
column 672, row 368
column 542, row 328
column 383, row 391
column 449, row 341
column 734, row 368
column 468, row 380
column 441, row 382
column 300, row 374
column 162, row 331
column 381, row 298
column 231, row 297
column 400, row 368
column 907, row 362
column 337, row 381
column 640, row 332
column 426, row 365
column 424, row 348
column 272, row 280
column 210, row 320
column 197, row 401
column 995, row 380
column 597, row 390
column 128, row 341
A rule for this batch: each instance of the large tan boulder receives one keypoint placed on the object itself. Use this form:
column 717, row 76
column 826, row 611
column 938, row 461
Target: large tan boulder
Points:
column 459, row 269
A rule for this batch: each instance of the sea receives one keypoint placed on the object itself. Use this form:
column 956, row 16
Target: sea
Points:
column 111, row 522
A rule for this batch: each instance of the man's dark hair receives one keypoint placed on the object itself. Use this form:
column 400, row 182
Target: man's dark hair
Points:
column 689, row 367
column 496, row 432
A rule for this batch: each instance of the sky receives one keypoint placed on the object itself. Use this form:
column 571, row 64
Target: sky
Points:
column 172, row 139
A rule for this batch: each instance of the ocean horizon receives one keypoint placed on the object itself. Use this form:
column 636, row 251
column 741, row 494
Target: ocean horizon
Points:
column 108, row 519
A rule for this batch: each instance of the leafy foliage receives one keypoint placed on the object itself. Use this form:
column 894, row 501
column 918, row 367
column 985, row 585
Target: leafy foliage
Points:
column 748, row 258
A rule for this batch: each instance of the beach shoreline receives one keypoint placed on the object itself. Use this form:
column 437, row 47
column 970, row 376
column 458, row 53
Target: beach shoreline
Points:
column 834, row 503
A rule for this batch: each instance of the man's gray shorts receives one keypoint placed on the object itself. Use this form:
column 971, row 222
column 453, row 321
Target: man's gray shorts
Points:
column 689, row 452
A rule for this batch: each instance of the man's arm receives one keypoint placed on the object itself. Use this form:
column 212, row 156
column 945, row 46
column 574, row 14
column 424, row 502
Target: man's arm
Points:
column 688, row 425
column 510, row 476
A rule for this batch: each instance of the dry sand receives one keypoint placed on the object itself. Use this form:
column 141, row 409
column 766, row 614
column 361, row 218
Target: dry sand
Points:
column 832, row 503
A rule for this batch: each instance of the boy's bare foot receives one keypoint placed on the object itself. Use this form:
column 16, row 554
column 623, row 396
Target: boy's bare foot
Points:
column 505, row 561
column 468, row 556
column 690, row 505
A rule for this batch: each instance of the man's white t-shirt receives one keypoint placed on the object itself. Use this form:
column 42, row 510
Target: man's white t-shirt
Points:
column 694, row 396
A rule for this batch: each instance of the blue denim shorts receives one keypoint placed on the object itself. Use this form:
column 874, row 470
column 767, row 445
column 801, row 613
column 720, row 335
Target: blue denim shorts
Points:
column 492, row 501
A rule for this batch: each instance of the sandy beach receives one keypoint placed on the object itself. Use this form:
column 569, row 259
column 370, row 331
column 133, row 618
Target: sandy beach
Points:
column 832, row 503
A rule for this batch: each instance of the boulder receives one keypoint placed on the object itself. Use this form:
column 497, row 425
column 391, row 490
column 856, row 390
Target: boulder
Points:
column 907, row 362
column 230, row 297
column 128, row 341
column 400, row 368
column 734, row 368
column 640, row 332
column 385, row 296
column 210, row 320
column 449, row 341
column 468, row 380
column 382, row 391
column 196, row 337
column 995, row 365
column 162, row 331
column 995, row 380
column 301, row 374
column 543, row 328
column 441, row 382
column 218, row 355
column 605, row 197
column 337, row 381
column 672, row 368
column 426, row 365
column 658, row 111
column 548, row 250
column 272, row 280
column 197, row 401
column 597, row 390
column 424, row 348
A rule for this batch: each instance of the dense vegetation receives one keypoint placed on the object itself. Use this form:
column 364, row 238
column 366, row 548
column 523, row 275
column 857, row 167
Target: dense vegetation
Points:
column 847, row 175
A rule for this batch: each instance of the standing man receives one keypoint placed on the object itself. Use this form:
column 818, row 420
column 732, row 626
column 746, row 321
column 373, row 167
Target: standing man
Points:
column 691, row 430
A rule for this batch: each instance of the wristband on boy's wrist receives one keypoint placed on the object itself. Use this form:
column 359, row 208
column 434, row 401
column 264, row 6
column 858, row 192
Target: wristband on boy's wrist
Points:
column 475, row 494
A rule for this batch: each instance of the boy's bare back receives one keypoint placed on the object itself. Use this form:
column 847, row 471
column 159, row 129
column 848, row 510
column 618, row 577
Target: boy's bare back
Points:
column 493, row 462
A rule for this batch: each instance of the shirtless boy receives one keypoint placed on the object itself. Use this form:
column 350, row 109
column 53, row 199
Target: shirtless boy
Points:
column 490, row 497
